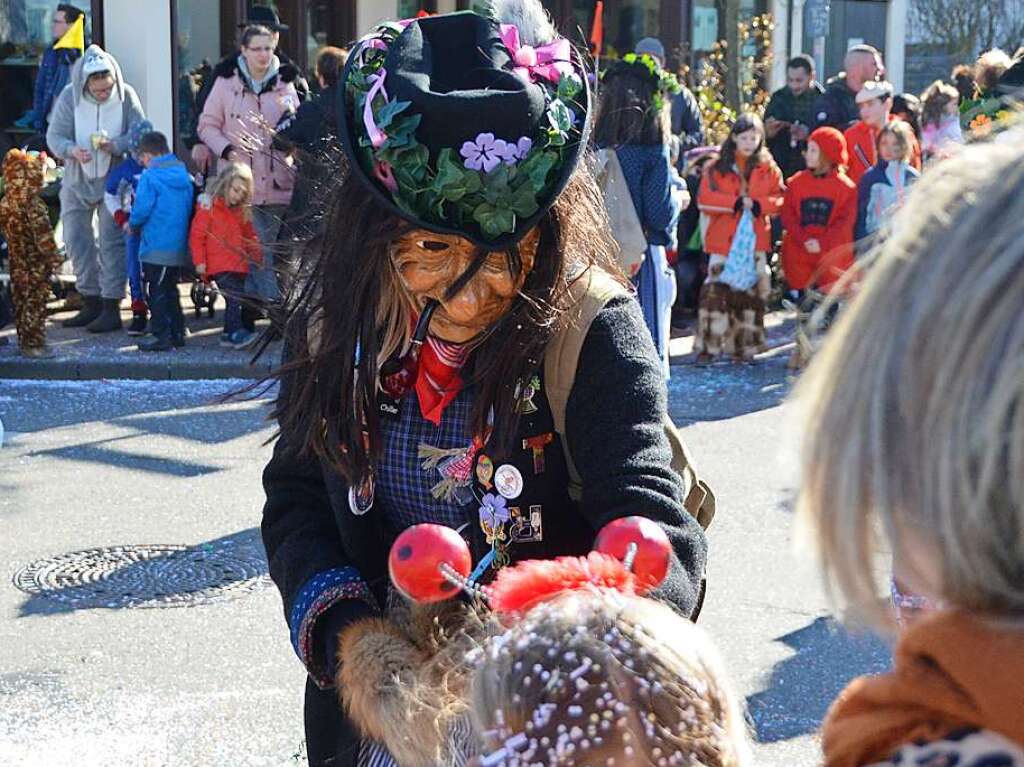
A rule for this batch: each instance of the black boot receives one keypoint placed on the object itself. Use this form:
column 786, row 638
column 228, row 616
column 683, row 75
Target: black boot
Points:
column 138, row 326
column 109, row 319
column 90, row 311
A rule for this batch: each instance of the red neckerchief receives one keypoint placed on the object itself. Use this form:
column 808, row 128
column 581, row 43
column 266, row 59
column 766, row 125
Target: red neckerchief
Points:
column 438, row 381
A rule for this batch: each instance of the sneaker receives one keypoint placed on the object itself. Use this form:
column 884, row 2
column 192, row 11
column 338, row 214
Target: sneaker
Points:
column 225, row 341
column 242, row 339
column 138, row 326
column 38, row 352
column 156, row 344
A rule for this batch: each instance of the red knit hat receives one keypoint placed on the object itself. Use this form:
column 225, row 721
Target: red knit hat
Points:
column 832, row 144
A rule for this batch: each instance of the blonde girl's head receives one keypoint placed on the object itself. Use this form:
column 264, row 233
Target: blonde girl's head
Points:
column 234, row 184
column 593, row 677
column 915, row 404
column 936, row 103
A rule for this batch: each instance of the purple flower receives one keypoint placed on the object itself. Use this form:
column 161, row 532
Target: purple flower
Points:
column 494, row 511
column 485, row 153
column 515, row 152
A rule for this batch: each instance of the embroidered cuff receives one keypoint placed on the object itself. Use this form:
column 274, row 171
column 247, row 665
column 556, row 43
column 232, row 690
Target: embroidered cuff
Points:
column 321, row 592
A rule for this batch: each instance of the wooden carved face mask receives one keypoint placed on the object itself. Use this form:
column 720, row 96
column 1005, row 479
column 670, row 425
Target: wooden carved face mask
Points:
column 428, row 264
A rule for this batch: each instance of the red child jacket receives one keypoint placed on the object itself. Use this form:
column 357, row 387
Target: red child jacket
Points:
column 717, row 199
column 223, row 239
column 862, row 141
column 822, row 208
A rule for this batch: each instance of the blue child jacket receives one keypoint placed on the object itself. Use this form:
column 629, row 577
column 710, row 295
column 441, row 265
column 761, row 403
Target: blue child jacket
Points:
column 163, row 211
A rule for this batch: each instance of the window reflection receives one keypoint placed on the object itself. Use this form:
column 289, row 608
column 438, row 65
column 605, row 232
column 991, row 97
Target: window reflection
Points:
column 198, row 52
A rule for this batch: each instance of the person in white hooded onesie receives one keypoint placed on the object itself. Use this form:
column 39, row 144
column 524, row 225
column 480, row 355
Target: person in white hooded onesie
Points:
column 89, row 130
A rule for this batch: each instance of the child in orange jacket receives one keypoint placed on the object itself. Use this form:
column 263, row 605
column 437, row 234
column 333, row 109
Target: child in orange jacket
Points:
column 745, row 178
column 818, row 216
column 224, row 243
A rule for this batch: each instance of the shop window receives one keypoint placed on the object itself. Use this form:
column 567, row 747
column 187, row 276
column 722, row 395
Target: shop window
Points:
column 26, row 31
column 328, row 22
column 408, row 9
column 197, row 51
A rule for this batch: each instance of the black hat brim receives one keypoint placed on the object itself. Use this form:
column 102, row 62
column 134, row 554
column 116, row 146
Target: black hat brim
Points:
column 572, row 154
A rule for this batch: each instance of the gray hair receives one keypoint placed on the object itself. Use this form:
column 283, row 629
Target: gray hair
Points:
column 916, row 401
column 535, row 27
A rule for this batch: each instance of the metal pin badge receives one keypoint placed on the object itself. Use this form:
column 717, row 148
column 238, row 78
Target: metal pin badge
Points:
column 508, row 481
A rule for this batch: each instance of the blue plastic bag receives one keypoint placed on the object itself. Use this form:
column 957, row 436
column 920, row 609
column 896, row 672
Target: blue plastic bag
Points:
column 740, row 270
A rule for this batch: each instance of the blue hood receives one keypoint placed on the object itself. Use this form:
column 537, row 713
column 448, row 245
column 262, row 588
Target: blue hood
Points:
column 171, row 172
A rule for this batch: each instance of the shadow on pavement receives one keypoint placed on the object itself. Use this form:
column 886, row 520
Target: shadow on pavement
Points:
column 802, row 687
column 96, row 452
column 140, row 576
column 170, row 406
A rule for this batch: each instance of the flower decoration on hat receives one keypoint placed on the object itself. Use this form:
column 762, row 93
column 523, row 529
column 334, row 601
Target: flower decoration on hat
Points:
column 461, row 127
column 647, row 67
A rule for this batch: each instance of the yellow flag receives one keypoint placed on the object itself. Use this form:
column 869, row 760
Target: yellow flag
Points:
column 74, row 37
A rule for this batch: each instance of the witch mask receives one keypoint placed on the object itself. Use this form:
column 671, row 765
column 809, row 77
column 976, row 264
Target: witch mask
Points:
column 430, row 267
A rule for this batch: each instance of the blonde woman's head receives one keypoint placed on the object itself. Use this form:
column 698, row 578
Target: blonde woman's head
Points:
column 593, row 677
column 234, row 184
column 915, row 438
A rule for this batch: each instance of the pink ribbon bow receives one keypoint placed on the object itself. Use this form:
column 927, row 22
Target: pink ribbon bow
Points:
column 550, row 61
column 376, row 135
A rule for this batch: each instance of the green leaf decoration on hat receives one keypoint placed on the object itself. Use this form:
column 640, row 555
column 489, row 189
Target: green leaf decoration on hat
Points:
column 665, row 83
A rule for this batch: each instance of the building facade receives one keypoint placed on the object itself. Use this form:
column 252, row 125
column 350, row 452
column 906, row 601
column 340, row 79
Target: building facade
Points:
column 166, row 47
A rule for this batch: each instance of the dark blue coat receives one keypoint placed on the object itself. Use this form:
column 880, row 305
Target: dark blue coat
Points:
column 54, row 73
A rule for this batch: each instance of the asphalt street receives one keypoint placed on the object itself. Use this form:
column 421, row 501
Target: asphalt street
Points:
column 91, row 677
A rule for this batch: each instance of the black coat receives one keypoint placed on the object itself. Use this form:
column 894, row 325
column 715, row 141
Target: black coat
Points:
column 312, row 135
column 614, row 425
column 837, row 106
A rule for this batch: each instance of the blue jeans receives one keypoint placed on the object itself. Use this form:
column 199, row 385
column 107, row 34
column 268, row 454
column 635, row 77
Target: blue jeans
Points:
column 133, row 266
column 167, row 321
column 232, row 287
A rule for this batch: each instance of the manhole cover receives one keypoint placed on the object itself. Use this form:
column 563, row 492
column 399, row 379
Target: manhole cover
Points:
column 147, row 576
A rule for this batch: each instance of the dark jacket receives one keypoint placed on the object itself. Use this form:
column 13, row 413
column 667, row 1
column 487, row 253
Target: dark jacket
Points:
column 311, row 134
column 686, row 120
column 331, row 565
column 54, row 73
column 837, row 107
column 226, row 67
column 786, row 107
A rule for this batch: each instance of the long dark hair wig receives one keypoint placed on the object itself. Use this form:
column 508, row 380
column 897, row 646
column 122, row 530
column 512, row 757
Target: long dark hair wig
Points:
column 727, row 157
column 626, row 113
column 348, row 313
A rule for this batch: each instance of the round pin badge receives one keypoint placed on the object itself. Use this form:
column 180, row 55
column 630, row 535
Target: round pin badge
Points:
column 508, row 480
column 360, row 497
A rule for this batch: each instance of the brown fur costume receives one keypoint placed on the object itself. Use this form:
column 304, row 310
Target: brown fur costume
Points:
column 32, row 250
column 402, row 680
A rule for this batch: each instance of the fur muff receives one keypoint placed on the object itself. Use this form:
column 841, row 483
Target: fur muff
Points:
column 400, row 680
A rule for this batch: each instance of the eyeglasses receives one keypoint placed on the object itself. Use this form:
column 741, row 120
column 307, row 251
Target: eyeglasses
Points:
column 398, row 374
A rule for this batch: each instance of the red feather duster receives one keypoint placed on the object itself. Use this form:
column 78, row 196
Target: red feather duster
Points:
column 518, row 588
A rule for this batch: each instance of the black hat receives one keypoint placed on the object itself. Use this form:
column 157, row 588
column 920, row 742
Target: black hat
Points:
column 264, row 16
column 458, row 128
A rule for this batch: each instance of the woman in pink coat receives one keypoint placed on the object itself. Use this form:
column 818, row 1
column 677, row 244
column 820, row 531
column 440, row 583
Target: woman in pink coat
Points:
column 247, row 102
